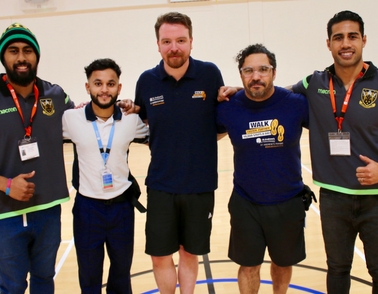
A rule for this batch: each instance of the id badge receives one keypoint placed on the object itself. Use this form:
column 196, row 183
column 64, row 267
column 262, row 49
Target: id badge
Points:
column 107, row 179
column 28, row 148
column 339, row 143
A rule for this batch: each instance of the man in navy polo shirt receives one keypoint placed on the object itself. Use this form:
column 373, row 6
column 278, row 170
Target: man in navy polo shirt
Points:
column 178, row 100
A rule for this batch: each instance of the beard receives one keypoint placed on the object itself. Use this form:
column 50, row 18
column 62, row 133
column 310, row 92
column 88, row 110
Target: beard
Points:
column 21, row 79
column 177, row 62
column 262, row 94
column 96, row 101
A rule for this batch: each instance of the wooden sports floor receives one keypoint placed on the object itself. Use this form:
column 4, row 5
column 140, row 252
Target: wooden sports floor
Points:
column 217, row 274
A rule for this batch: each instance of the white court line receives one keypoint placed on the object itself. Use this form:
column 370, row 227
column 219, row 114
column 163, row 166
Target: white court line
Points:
column 356, row 250
column 64, row 257
column 68, row 249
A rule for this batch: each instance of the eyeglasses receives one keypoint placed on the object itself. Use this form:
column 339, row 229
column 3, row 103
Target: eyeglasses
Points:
column 263, row 71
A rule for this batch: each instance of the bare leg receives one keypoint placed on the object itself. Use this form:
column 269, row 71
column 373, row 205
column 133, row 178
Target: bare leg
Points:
column 187, row 271
column 249, row 279
column 165, row 273
column 281, row 277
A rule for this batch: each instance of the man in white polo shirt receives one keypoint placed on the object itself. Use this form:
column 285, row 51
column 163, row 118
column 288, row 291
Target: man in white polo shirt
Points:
column 106, row 192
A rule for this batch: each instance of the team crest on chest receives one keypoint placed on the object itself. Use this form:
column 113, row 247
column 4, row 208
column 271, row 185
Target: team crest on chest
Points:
column 368, row 98
column 47, row 106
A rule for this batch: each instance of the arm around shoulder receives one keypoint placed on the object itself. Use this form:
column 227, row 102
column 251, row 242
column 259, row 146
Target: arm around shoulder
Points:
column 225, row 92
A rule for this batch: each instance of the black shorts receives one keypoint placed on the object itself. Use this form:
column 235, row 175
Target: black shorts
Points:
column 254, row 227
column 178, row 219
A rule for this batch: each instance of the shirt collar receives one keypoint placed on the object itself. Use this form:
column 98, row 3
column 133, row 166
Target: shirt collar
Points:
column 89, row 114
column 369, row 73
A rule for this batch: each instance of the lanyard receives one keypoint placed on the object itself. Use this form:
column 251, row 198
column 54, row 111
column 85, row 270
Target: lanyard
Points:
column 104, row 151
column 28, row 129
column 344, row 108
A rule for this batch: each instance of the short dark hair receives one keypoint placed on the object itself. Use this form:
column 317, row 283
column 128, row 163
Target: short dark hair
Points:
column 102, row 64
column 173, row 18
column 344, row 16
column 254, row 49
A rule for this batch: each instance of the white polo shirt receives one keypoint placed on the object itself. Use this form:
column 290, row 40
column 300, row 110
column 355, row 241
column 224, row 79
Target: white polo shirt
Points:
column 77, row 126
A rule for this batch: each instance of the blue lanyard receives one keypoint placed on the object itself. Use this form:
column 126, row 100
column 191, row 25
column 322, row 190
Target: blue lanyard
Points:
column 104, row 153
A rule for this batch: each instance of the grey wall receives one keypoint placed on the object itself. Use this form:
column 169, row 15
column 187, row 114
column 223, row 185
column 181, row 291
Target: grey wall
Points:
column 73, row 33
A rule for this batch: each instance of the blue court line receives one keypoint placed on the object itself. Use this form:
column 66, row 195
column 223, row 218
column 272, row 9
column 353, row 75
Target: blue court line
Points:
column 300, row 288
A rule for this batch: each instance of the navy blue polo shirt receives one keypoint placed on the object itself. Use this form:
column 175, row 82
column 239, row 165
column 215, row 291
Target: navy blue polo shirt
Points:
column 183, row 132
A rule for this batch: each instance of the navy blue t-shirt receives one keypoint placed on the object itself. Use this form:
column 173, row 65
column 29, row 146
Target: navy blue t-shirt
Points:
column 265, row 136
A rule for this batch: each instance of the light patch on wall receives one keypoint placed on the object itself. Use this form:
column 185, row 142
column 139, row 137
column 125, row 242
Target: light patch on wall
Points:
column 173, row 1
column 37, row 6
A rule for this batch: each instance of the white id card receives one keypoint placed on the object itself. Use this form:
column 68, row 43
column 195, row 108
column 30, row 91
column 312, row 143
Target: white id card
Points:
column 339, row 143
column 28, row 148
column 107, row 179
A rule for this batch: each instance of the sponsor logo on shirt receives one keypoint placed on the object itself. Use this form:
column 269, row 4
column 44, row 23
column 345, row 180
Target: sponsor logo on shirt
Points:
column 199, row 94
column 325, row 91
column 8, row 110
column 158, row 100
column 268, row 133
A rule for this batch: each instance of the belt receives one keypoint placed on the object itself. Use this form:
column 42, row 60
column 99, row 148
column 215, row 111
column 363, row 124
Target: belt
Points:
column 124, row 197
column 119, row 199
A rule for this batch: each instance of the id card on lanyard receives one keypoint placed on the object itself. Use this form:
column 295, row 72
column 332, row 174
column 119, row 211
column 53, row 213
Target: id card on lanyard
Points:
column 339, row 142
column 106, row 173
column 27, row 146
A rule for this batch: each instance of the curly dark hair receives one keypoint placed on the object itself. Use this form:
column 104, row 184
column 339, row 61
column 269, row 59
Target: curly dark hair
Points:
column 102, row 64
column 254, row 49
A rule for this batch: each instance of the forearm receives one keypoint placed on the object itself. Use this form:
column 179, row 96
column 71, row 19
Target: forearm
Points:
column 221, row 135
column 3, row 183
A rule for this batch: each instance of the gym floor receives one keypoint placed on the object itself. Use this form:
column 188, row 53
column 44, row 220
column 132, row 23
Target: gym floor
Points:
column 217, row 274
